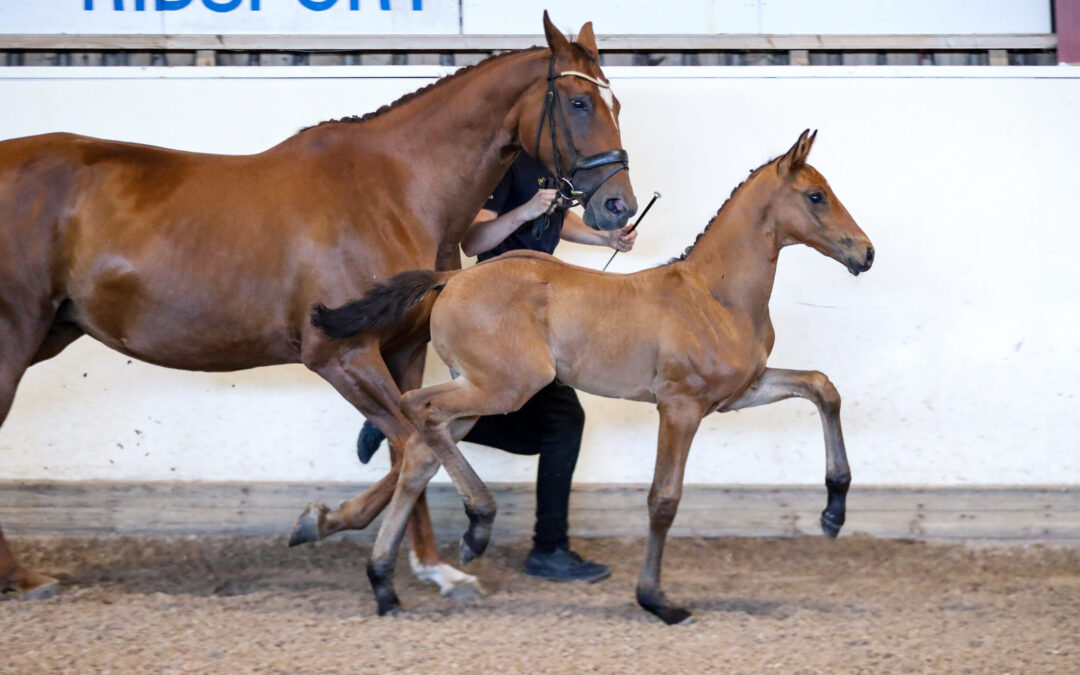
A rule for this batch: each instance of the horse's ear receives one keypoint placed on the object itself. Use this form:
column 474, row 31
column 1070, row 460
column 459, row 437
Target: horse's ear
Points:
column 795, row 158
column 587, row 39
column 555, row 39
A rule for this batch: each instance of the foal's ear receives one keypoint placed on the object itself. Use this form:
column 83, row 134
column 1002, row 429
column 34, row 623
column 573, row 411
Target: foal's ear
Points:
column 555, row 39
column 795, row 158
column 587, row 39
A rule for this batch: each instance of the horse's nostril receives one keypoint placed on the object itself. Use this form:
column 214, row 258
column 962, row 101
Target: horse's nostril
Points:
column 869, row 255
column 615, row 205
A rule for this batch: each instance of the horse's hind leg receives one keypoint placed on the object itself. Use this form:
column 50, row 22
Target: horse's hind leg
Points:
column 417, row 467
column 444, row 414
column 679, row 421
column 776, row 385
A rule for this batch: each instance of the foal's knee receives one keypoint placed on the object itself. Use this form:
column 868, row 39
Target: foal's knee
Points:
column 662, row 510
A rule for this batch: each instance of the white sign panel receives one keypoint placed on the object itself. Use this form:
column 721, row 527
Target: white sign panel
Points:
column 178, row 17
column 780, row 17
column 500, row 17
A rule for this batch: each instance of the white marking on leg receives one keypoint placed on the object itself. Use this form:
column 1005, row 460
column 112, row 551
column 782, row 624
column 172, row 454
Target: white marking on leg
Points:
column 449, row 579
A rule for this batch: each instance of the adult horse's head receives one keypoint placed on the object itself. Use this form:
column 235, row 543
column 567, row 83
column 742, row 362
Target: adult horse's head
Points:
column 808, row 212
column 570, row 122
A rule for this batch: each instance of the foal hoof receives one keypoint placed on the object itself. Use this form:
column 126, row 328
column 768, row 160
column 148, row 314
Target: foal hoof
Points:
column 674, row 616
column 309, row 524
column 389, row 607
column 831, row 525
column 466, row 553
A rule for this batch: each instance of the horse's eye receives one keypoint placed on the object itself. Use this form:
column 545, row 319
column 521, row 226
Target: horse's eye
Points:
column 816, row 197
column 578, row 103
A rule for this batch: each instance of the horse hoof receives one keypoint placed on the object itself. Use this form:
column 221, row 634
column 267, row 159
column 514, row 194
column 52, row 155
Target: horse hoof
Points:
column 29, row 585
column 829, row 526
column 43, row 592
column 308, row 524
column 465, row 590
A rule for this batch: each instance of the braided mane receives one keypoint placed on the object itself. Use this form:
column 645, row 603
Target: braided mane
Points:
column 382, row 110
column 753, row 172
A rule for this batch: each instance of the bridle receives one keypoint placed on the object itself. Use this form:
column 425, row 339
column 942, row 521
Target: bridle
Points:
column 569, row 194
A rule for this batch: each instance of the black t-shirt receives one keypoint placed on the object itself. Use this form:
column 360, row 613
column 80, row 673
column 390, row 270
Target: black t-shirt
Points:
column 522, row 180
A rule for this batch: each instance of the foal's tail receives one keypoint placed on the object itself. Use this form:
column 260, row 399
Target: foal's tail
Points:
column 382, row 306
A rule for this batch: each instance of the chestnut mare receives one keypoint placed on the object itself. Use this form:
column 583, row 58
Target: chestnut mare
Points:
column 692, row 336
column 210, row 262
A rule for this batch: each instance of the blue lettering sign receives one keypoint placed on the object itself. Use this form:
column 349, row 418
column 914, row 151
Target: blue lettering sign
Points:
column 221, row 5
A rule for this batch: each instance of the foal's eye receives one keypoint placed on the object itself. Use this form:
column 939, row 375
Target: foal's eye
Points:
column 816, row 197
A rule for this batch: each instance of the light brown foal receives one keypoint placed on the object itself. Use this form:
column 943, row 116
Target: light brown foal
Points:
column 692, row 336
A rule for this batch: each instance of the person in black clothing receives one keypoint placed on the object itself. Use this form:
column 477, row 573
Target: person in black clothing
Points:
column 520, row 215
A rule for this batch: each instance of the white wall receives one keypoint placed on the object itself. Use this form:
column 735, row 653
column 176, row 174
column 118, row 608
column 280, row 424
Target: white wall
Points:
column 957, row 355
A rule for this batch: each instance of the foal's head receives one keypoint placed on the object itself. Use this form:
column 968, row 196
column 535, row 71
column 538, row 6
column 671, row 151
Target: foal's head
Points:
column 586, row 114
column 806, row 211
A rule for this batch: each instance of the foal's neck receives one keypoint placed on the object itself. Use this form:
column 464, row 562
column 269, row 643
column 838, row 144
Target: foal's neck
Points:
column 737, row 254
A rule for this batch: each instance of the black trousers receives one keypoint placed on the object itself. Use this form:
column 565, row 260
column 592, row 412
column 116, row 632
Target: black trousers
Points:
column 550, row 424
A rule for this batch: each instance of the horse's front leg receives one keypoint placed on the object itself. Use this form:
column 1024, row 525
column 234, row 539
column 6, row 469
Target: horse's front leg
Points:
column 679, row 421
column 776, row 384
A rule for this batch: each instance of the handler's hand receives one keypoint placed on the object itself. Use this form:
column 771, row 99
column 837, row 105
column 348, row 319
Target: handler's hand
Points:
column 622, row 239
column 542, row 202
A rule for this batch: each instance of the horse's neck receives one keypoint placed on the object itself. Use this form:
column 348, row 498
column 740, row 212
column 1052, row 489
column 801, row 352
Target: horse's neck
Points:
column 464, row 133
column 737, row 254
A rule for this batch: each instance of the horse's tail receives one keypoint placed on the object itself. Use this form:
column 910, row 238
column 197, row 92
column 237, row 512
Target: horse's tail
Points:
column 382, row 306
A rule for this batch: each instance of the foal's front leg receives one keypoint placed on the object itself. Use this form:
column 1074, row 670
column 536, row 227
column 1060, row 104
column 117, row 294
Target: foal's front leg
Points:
column 679, row 421
column 776, row 384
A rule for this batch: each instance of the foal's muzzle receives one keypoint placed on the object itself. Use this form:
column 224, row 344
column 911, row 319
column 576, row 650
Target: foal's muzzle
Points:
column 856, row 267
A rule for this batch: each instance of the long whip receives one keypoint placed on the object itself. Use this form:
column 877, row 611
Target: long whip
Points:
column 655, row 196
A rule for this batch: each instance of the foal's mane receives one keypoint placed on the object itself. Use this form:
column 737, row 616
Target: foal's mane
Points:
column 753, row 172
column 353, row 119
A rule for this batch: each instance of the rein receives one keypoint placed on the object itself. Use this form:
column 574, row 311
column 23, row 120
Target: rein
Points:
column 569, row 195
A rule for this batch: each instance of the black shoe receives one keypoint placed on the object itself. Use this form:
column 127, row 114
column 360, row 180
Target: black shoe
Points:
column 368, row 442
column 562, row 564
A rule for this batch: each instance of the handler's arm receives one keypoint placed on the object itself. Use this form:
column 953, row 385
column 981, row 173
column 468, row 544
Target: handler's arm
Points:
column 489, row 229
column 574, row 229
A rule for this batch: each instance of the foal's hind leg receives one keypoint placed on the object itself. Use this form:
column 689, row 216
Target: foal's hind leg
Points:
column 445, row 413
column 434, row 409
column 776, row 385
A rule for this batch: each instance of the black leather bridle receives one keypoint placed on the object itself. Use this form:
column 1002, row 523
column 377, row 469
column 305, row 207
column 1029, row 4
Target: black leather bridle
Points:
column 569, row 194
